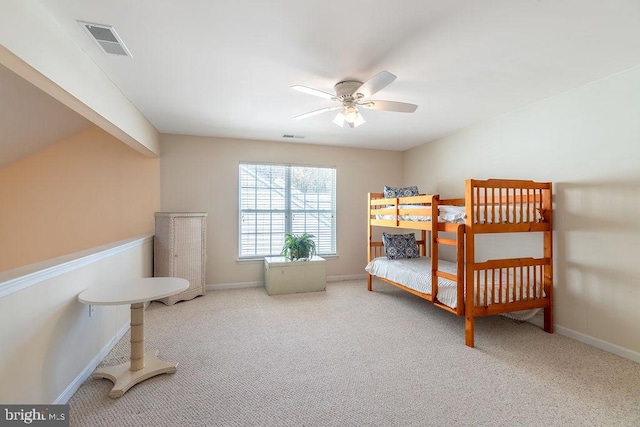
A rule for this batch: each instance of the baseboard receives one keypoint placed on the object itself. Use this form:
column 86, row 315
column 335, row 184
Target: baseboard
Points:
column 598, row 343
column 88, row 370
column 240, row 285
column 537, row 320
column 346, row 277
column 236, row 285
column 588, row 339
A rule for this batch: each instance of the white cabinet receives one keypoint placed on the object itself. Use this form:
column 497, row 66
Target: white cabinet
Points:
column 180, row 251
column 283, row 276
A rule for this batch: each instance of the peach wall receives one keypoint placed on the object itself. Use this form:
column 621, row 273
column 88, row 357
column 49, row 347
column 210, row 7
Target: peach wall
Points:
column 80, row 192
column 200, row 174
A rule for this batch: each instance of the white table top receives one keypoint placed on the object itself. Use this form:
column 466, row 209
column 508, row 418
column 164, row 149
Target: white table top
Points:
column 141, row 290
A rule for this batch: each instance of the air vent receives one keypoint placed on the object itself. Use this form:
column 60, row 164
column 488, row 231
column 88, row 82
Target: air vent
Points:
column 292, row 136
column 107, row 38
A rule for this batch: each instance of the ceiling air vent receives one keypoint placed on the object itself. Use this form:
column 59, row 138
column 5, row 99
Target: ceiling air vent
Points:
column 286, row 135
column 107, row 38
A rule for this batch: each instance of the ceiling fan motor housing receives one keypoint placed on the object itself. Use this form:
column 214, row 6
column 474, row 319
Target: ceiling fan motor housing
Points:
column 345, row 90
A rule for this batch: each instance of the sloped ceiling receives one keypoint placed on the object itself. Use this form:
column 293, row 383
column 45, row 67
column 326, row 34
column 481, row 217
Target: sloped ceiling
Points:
column 30, row 119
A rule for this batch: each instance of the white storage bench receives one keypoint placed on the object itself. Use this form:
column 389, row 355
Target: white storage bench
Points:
column 283, row 276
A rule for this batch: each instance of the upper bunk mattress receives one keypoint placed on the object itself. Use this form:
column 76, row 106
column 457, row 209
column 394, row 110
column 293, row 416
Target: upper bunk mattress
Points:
column 457, row 214
column 452, row 214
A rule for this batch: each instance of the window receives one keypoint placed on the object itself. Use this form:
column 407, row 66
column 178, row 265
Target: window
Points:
column 278, row 199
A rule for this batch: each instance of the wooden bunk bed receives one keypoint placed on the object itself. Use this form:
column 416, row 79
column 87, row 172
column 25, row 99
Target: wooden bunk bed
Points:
column 468, row 287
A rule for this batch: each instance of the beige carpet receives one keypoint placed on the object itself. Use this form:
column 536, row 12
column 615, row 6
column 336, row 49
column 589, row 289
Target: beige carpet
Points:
column 348, row 357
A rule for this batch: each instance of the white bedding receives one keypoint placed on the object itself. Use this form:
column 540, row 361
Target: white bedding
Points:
column 453, row 214
column 457, row 214
column 415, row 273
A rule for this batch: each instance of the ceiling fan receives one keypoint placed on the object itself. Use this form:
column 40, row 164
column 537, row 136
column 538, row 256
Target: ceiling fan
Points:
column 351, row 94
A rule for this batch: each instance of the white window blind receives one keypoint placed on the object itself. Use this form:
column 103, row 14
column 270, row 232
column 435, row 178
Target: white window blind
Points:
column 277, row 199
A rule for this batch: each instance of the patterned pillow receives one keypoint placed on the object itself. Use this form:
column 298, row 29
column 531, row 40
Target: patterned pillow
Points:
column 398, row 246
column 393, row 192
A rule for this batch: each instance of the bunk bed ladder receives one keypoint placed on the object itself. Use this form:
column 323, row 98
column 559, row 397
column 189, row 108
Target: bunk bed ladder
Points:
column 457, row 242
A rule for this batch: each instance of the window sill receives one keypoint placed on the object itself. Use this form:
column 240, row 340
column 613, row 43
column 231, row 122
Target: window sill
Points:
column 261, row 259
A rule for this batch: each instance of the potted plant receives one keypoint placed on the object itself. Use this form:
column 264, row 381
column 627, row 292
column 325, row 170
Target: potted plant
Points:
column 298, row 246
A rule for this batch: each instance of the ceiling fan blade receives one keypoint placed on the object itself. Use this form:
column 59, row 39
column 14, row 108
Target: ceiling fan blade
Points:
column 314, row 92
column 376, row 83
column 401, row 107
column 316, row 112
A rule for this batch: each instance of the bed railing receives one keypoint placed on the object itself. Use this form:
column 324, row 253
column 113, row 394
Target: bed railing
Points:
column 508, row 285
column 499, row 206
column 388, row 212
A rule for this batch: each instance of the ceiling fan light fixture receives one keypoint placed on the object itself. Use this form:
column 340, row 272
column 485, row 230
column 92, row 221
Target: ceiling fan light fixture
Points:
column 350, row 114
column 359, row 121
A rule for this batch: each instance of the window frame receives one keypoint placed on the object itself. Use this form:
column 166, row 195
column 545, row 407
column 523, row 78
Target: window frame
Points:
column 288, row 213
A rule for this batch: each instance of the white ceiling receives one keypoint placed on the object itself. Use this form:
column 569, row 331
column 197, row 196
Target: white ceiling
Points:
column 224, row 68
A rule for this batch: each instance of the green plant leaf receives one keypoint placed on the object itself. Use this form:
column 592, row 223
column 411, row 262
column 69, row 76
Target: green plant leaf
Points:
column 298, row 246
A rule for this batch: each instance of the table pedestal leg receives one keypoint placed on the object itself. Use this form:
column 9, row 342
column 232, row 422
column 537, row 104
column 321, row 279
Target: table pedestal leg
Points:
column 141, row 365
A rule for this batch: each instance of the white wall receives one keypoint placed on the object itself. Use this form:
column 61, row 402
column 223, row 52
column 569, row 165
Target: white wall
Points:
column 586, row 141
column 50, row 345
column 201, row 174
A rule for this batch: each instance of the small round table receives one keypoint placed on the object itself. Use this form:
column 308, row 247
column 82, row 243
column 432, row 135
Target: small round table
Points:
column 142, row 365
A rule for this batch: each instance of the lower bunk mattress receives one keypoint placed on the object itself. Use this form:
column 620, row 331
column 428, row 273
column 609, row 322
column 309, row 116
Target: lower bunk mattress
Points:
column 415, row 273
